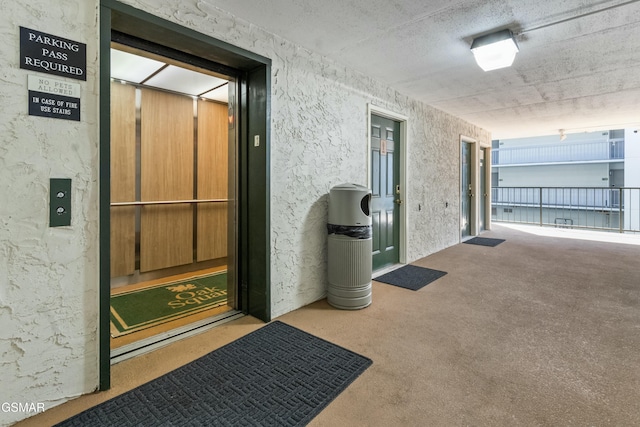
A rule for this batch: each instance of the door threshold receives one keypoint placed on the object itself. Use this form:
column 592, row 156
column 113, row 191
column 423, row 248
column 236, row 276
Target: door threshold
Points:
column 157, row 341
column 386, row 270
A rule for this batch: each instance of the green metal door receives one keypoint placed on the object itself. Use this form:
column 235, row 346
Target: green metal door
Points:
column 483, row 190
column 466, row 193
column 385, row 191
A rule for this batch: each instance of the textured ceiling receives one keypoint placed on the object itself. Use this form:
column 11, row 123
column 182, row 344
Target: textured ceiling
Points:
column 577, row 75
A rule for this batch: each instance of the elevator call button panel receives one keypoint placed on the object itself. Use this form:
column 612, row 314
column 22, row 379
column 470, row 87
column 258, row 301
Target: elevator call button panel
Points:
column 59, row 202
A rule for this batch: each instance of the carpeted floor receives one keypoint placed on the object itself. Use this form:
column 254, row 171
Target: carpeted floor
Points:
column 544, row 333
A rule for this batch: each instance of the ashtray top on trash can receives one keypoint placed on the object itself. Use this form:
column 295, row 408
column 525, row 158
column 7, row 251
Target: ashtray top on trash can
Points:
column 350, row 204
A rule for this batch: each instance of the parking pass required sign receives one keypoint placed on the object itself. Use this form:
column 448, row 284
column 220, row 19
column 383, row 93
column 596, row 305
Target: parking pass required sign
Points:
column 52, row 54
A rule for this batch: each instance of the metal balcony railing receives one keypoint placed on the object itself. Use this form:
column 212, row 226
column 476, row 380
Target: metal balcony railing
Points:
column 603, row 208
column 559, row 153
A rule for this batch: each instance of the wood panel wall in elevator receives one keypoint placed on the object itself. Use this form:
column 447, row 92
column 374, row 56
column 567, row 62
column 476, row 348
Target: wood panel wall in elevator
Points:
column 123, row 179
column 169, row 167
column 166, row 173
column 212, row 170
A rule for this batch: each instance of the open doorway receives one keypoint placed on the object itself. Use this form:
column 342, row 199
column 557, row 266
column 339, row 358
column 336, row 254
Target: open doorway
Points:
column 173, row 185
column 250, row 74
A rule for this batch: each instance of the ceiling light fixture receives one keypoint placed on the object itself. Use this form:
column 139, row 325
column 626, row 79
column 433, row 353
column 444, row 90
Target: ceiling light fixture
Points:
column 495, row 50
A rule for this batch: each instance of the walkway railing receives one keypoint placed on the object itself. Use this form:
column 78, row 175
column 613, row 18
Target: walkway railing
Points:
column 602, row 208
column 559, row 153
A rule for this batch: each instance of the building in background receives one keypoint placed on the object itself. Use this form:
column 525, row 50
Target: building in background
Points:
column 582, row 180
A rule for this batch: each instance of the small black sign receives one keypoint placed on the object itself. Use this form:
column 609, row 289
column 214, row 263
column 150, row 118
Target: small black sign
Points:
column 53, row 55
column 55, row 106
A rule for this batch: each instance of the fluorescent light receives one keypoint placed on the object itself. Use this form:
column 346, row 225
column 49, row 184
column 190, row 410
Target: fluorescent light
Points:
column 128, row 67
column 132, row 68
column 495, row 50
column 220, row 94
column 185, row 81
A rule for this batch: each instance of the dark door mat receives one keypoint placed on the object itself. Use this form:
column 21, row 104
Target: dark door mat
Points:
column 484, row 241
column 411, row 277
column 277, row 375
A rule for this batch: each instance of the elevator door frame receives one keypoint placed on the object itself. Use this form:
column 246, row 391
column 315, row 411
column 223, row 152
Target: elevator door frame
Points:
column 253, row 102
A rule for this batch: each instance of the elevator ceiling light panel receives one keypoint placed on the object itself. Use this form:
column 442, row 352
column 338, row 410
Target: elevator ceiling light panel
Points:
column 181, row 80
column 132, row 68
column 144, row 71
column 220, row 94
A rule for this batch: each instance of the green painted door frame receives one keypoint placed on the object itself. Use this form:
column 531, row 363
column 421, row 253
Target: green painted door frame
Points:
column 254, row 83
column 483, row 189
column 466, row 190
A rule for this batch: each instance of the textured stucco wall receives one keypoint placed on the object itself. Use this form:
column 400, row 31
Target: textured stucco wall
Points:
column 48, row 276
column 319, row 139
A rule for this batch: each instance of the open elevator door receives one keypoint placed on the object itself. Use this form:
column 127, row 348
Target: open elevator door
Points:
column 252, row 104
column 173, row 194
